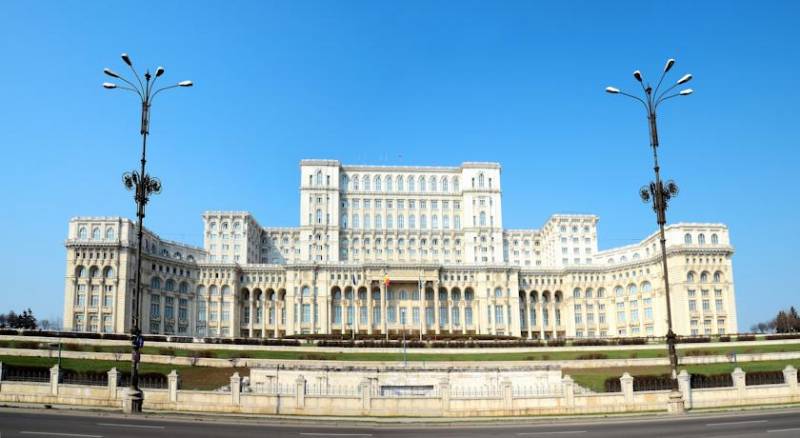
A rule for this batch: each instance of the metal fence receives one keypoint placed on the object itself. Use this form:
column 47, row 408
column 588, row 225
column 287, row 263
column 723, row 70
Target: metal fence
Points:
column 84, row 378
column 333, row 390
column 273, row 388
column 700, row 381
column 764, row 378
column 537, row 390
column 146, row 380
column 652, row 383
column 408, row 391
column 25, row 374
column 476, row 391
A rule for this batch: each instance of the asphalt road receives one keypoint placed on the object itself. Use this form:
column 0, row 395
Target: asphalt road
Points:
column 27, row 423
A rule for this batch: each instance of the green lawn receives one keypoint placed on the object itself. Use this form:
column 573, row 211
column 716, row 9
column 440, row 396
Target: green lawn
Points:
column 201, row 378
column 594, row 378
column 475, row 355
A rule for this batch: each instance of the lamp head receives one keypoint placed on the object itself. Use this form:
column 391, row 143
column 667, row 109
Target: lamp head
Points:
column 612, row 90
column 669, row 64
column 686, row 78
column 109, row 85
column 159, row 71
column 185, row 83
column 110, row 72
column 126, row 59
column 686, row 92
column 638, row 75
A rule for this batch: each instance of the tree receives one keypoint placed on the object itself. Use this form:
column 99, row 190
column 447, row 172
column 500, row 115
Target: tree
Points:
column 25, row 320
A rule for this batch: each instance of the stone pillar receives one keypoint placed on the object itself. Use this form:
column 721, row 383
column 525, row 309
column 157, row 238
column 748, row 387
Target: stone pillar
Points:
column 568, row 388
column 436, row 317
column 444, row 394
column 113, row 379
column 540, row 316
column 626, row 382
column 384, row 306
column 236, row 389
column 300, row 392
column 685, row 387
column 1, row 376
column 508, row 396
column 54, row 374
column 739, row 382
column 366, row 395
column 172, row 384
column 370, row 311
column 790, row 377
column 527, row 315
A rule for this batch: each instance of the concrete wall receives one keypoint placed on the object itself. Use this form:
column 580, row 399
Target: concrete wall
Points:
column 362, row 400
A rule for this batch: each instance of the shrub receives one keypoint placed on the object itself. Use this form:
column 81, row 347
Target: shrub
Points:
column 724, row 339
column 694, row 340
column 782, row 336
column 631, row 341
column 591, row 356
column 745, row 337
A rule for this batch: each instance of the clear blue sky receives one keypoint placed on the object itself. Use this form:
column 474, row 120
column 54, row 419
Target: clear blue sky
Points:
column 424, row 83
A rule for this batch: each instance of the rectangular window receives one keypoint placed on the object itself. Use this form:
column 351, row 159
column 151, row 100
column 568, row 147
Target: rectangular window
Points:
column 442, row 315
column 337, row 315
column 415, row 315
column 376, row 315
column 718, row 305
column 692, row 306
column 498, row 314
column 429, row 316
column 350, row 315
column 226, row 315
column 362, row 315
column 468, row 316
column 456, row 317
column 306, row 315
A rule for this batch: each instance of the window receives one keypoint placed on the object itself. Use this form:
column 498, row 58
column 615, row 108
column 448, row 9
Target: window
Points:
column 687, row 238
column 377, row 181
column 155, row 283
column 96, row 233
column 483, row 219
column 109, row 234
column 717, row 277
column 498, row 314
column 714, row 239
column 701, row 239
column 690, row 277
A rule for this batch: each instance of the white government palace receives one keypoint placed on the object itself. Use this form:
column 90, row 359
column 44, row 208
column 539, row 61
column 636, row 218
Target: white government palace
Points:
column 387, row 249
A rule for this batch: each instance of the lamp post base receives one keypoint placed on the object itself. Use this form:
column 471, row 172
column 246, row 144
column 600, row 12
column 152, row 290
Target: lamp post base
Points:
column 675, row 405
column 132, row 401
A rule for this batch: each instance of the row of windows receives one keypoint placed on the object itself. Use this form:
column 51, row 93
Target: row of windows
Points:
column 83, row 233
column 401, row 222
column 704, row 277
column 169, row 285
column 93, row 272
column 701, row 239
column 399, row 183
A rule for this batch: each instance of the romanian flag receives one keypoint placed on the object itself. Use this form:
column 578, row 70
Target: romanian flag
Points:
column 386, row 280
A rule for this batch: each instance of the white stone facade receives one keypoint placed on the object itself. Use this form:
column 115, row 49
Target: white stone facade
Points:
column 385, row 249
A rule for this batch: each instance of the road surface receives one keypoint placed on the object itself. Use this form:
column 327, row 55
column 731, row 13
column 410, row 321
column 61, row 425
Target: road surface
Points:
column 27, row 423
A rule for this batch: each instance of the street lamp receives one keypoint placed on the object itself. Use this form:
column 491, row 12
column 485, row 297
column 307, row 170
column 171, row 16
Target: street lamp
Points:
column 659, row 193
column 143, row 185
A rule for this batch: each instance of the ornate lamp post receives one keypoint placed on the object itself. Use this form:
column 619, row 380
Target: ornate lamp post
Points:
column 143, row 185
column 659, row 193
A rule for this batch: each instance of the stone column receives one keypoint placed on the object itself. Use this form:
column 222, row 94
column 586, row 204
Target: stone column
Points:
column 113, row 376
column 568, row 388
column 527, row 315
column 252, row 318
column 626, row 382
column 444, row 394
column 172, row 384
column 739, row 382
column 356, row 310
column 236, row 388
column 790, row 377
column 328, row 314
column 300, row 392
column 553, row 318
column 540, row 316
column 1, row 376
column 276, row 316
column 436, row 304
column 54, row 374
column 370, row 310
column 384, row 306
column 685, row 387
column 366, row 396
column 508, row 396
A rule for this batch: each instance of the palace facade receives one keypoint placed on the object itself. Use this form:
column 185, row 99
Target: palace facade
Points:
column 390, row 249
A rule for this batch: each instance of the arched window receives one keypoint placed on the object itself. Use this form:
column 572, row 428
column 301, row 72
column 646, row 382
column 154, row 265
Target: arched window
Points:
column 704, row 277
column 446, row 222
column 421, row 183
column 701, row 239
column 481, row 181
column 444, row 184
column 423, row 222
column 344, row 182
column 399, row 183
column 389, row 184
column 632, row 289
column 647, row 287
column 201, row 290
column 213, row 290
column 169, row 285
column 400, row 222
column 588, row 293
column 455, row 184
column 183, row 287
column 433, row 183
column 389, row 222
column 109, row 234
column 178, row 256
column 434, row 222
column 601, row 293
column 80, row 272
column 82, row 233
column 155, row 283
column 366, row 183
column 305, row 291
column 687, row 238
column 498, row 293
column 237, row 226
column 378, row 224
column 94, row 272
column 618, row 291
column 690, row 277
column 717, row 277
column 108, row 272
column 212, row 227
column 319, row 216
column 377, row 183
column 355, row 182
column 95, row 233
column 714, row 239
column 483, row 219
column 319, row 178
column 576, row 293
column 366, row 221
column 412, row 221
column 226, row 291
column 344, row 221
column 410, row 181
